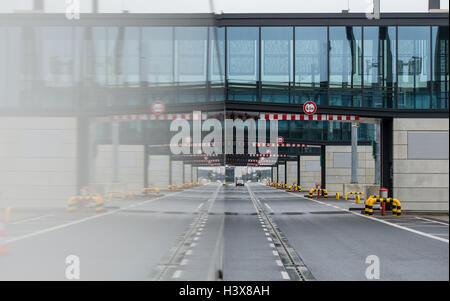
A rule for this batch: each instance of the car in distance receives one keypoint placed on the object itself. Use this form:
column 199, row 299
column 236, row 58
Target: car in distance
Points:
column 240, row 182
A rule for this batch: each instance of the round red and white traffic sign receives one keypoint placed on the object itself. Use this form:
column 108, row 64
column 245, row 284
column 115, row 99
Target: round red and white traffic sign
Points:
column 158, row 107
column 280, row 139
column 310, row 107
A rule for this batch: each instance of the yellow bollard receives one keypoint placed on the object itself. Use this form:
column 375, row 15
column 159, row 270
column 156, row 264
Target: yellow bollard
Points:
column 358, row 199
column 337, row 195
column 7, row 214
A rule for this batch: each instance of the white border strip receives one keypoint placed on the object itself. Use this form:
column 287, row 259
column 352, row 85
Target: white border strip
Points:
column 378, row 220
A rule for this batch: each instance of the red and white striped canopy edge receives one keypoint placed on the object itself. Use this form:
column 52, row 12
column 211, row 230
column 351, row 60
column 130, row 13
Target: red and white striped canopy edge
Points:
column 131, row 117
column 316, row 117
column 281, row 144
column 267, row 155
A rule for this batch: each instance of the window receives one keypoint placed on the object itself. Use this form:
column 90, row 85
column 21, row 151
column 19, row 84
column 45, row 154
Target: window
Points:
column 379, row 66
column 345, row 66
column 243, row 73
column 414, row 67
column 277, row 64
column 440, row 67
column 311, row 65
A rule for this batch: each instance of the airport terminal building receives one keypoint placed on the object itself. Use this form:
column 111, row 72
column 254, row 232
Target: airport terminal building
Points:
column 77, row 98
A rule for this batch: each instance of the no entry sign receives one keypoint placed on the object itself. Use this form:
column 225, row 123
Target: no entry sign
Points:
column 309, row 107
column 158, row 107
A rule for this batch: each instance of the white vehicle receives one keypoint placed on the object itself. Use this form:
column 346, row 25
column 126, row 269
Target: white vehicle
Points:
column 240, row 182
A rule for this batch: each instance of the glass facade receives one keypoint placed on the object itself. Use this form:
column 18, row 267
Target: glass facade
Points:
column 414, row 67
column 311, row 65
column 79, row 68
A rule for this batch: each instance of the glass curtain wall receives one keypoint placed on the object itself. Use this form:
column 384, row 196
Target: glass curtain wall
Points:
column 345, row 66
column 243, row 63
column 440, row 74
column 277, row 64
column 414, row 67
column 379, row 65
column 311, row 65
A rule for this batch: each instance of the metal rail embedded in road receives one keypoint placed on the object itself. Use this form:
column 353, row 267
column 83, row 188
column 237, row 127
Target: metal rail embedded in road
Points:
column 178, row 251
column 293, row 263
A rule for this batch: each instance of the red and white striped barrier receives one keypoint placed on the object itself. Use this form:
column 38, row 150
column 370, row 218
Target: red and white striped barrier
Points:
column 264, row 116
column 183, row 116
column 4, row 250
column 281, row 144
column 316, row 117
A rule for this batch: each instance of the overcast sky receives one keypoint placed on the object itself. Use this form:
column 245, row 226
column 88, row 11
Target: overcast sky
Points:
column 227, row 6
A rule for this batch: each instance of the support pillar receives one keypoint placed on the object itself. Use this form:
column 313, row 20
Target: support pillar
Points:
column 298, row 170
column 377, row 153
column 146, row 155
column 354, row 179
column 115, row 151
column 82, row 152
column 323, row 166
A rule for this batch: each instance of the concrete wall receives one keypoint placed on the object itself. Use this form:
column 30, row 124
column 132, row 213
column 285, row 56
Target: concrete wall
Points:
column 38, row 158
column 275, row 174
column 177, row 172
column 309, row 172
column 187, row 173
column 420, row 184
column 194, row 174
column 281, row 174
column 291, row 172
column 131, row 166
column 158, row 170
column 338, row 167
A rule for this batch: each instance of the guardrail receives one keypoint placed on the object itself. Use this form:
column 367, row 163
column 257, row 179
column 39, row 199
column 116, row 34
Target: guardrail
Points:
column 78, row 202
column 353, row 193
column 294, row 188
column 320, row 191
column 146, row 191
column 396, row 205
column 113, row 193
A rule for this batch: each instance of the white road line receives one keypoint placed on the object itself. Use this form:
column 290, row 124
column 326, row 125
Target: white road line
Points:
column 196, row 238
column 189, row 252
column 272, row 245
column 430, row 220
column 31, row 219
column 267, row 234
column 81, row 220
column 382, row 221
column 268, row 207
column 279, row 263
column 177, row 274
column 193, row 244
column 200, row 206
column 285, row 275
column 269, row 239
column 184, row 262
column 275, row 253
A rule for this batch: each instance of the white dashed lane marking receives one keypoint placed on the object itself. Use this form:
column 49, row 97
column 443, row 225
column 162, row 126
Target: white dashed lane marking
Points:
column 177, row 274
column 285, row 275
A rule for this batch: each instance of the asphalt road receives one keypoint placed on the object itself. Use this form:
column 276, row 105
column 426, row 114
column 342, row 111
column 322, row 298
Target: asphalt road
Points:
column 194, row 234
